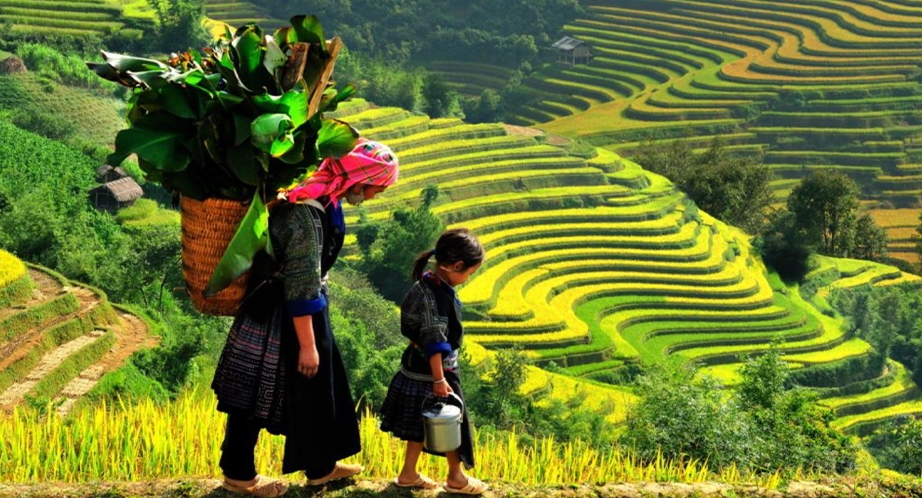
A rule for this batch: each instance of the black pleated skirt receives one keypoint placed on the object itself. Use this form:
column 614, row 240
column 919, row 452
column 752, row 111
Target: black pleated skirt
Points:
column 401, row 412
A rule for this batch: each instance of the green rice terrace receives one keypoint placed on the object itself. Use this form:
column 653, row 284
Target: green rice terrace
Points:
column 58, row 338
column 103, row 18
column 594, row 264
column 810, row 85
column 236, row 13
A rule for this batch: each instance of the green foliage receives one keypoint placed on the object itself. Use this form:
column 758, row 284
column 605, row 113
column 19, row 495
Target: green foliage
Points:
column 69, row 69
column 918, row 239
column 898, row 445
column 888, row 318
column 785, row 246
column 181, row 25
column 733, row 189
column 390, row 248
column 367, row 333
column 400, row 31
column 765, row 425
column 677, row 415
column 870, row 240
column 825, row 206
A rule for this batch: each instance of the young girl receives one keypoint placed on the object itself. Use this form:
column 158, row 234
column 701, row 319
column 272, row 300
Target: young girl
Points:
column 430, row 316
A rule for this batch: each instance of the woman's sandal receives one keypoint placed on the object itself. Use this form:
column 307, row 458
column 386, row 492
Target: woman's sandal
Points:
column 264, row 487
column 421, row 482
column 341, row 471
column 474, row 487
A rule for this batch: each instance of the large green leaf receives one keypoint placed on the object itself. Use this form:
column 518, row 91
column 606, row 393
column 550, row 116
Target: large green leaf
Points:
column 249, row 52
column 293, row 103
column 175, row 100
column 252, row 236
column 160, row 148
column 124, row 63
column 308, row 29
column 242, row 161
column 336, row 138
column 329, row 102
column 268, row 128
column 275, row 58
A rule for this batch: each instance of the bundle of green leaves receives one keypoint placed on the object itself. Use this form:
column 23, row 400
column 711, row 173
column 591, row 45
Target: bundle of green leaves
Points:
column 238, row 122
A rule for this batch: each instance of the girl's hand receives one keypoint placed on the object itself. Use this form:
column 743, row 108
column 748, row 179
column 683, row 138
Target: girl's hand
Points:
column 441, row 389
column 308, row 361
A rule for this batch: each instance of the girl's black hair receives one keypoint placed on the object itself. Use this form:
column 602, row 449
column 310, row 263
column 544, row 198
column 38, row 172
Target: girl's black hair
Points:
column 454, row 245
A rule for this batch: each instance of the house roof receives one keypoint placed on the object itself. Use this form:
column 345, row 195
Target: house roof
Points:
column 105, row 169
column 567, row 43
column 124, row 189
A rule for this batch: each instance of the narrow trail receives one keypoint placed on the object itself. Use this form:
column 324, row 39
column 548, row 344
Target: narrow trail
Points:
column 130, row 332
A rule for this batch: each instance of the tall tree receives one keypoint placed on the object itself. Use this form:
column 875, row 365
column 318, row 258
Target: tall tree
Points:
column 919, row 242
column 870, row 240
column 825, row 205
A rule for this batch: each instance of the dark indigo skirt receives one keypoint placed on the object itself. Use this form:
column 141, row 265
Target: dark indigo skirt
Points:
column 401, row 412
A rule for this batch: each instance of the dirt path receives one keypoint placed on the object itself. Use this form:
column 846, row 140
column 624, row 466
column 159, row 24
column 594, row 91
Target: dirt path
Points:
column 131, row 334
column 18, row 347
column 836, row 487
column 46, row 287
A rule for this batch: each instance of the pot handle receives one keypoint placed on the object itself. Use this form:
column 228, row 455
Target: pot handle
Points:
column 429, row 396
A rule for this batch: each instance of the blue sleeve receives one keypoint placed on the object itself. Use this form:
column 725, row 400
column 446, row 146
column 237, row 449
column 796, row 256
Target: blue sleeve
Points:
column 305, row 307
column 437, row 347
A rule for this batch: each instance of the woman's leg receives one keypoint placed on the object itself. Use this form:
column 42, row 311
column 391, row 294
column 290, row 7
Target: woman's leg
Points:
column 238, row 459
column 409, row 474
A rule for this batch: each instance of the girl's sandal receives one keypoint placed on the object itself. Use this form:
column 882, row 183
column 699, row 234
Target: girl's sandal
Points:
column 474, row 487
column 264, row 487
column 421, row 482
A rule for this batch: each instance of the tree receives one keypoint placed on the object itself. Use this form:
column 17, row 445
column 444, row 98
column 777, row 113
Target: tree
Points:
column 390, row 248
column 825, row 206
column 181, row 25
column 785, row 246
column 919, row 242
column 733, row 189
column 870, row 240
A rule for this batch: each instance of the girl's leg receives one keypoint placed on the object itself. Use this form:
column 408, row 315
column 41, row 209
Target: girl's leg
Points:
column 456, row 477
column 408, row 474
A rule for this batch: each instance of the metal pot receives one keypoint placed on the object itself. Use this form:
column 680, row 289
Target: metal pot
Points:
column 443, row 424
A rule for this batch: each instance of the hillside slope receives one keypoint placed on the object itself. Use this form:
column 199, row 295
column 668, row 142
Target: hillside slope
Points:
column 809, row 85
column 594, row 263
column 58, row 338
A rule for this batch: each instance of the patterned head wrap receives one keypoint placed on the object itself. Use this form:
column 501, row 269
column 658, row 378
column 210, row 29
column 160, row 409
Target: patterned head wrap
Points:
column 369, row 163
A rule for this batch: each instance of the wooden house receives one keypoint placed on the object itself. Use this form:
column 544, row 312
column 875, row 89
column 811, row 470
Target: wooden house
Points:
column 114, row 195
column 572, row 51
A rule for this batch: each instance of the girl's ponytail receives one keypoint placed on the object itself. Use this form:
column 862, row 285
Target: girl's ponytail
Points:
column 420, row 265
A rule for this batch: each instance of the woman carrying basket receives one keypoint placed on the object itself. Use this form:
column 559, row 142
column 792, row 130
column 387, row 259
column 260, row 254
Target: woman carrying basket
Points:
column 281, row 369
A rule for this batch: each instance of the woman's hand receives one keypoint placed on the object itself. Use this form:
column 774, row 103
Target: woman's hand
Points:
column 308, row 361
column 441, row 389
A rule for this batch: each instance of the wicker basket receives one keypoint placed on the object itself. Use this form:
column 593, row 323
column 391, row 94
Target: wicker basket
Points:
column 207, row 229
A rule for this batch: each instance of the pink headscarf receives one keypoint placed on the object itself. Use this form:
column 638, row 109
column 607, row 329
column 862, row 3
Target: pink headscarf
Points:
column 369, row 163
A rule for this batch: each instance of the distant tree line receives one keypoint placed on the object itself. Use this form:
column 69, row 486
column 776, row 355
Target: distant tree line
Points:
column 402, row 31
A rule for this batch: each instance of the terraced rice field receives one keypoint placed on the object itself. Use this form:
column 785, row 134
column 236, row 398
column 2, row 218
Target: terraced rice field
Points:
column 57, row 339
column 901, row 226
column 237, row 13
column 595, row 264
column 815, row 84
column 102, row 18
column 95, row 119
